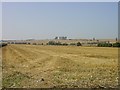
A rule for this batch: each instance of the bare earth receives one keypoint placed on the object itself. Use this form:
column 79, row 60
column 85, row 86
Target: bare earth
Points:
column 38, row 66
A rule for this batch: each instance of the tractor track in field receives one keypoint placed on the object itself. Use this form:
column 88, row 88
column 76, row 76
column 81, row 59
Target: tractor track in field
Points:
column 49, row 66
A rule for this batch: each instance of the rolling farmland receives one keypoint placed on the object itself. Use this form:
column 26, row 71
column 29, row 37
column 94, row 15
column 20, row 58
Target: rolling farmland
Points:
column 38, row 66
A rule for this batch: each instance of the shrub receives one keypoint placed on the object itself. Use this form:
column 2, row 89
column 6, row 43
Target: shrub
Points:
column 109, row 45
column 51, row 43
column 72, row 44
column 3, row 44
column 58, row 43
column 28, row 43
column 34, row 44
column 79, row 44
column 117, row 44
column 104, row 45
column 65, row 44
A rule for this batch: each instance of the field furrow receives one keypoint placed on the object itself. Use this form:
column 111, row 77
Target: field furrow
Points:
column 59, row 66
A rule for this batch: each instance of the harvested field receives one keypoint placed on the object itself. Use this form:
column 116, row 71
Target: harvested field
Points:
column 38, row 66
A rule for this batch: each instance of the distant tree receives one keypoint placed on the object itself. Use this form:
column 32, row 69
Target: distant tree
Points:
column 34, row 44
column 51, row 43
column 97, row 40
column 117, row 44
column 79, row 44
column 109, row 45
column 72, row 44
column 12, row 42
column 3, row 44
column 116, row 39
column 58, row 43
column 104, row 45
column 8, row 42
column 65, row 44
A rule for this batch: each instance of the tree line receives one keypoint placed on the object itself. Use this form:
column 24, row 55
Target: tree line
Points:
column 63, row 44
column 3, row 44
column 100, row 44
column 117, row 44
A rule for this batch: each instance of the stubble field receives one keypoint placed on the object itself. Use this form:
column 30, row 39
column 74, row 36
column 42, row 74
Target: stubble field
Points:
column 36, row 66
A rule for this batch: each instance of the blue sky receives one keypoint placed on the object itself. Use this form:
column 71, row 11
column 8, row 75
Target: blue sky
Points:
column 71, row 19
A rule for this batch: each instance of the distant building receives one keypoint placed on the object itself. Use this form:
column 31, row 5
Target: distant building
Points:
column 61, row 38
column 30, row 39
column 56, row 37
column 93, row 39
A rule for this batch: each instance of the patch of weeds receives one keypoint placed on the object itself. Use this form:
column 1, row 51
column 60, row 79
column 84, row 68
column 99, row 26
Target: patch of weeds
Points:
column 59, row 81
column 3, row 65
column 68, row 65
column 12, row 66
column 58, row 77
column 14, row 80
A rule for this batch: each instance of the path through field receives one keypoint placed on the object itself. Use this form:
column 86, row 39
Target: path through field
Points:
column 38, row 66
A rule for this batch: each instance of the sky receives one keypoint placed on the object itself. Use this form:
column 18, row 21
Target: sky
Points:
column 59, row 0
column 45, row 20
